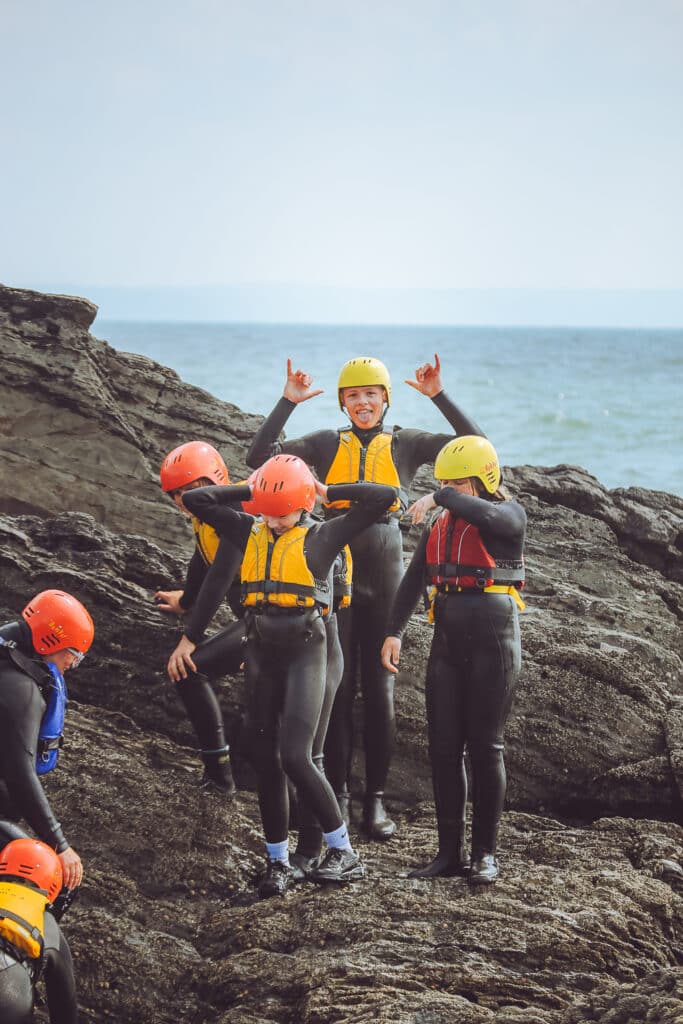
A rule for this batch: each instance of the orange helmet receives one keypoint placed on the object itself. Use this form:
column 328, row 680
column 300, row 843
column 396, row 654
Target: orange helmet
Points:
column 35, row 862
column 57, row 621
column 283, row 484
column 250, row 506
column 190, row 462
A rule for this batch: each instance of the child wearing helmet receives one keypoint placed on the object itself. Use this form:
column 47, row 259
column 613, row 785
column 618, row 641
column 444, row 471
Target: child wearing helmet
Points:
column 53, row 635
column 211, row 568
column 287, row 592
column 365, row 450
column 471, row 559
column 32, row 944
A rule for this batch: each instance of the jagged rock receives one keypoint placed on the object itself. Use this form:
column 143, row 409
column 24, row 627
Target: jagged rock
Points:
column 586, row 919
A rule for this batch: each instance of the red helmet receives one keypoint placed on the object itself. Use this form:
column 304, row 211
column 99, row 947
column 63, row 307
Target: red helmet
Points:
column 250, row 506
column 58, row 621
column 283, row 484
column 34, row 861
column 190, row 462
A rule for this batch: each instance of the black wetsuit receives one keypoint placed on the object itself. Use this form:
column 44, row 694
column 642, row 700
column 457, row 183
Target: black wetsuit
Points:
column 206, row 586
column 286, row 656
column 377, row 570
column 473, row 668
column 22, row 674
column 17, row 974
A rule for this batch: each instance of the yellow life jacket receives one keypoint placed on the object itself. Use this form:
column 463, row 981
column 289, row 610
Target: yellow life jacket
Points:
column 22, row 917
column 354, row 463
column 342, row 578
column 275, row 572
column 206, row 539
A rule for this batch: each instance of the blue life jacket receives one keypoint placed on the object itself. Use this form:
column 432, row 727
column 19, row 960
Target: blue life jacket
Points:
column 52, row 725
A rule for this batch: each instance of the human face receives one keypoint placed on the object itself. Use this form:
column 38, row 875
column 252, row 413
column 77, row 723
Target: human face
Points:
column 64, row 660
column 464, row 486
column 177, row 495
column 365, row 405
column 281, row 524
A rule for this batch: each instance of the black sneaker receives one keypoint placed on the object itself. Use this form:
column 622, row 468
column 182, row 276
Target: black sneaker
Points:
column 276, row 880
column 302, row 866
column 339, row 866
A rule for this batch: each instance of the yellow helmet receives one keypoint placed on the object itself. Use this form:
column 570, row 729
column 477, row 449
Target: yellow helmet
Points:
column 363, row 372
column 469, row 456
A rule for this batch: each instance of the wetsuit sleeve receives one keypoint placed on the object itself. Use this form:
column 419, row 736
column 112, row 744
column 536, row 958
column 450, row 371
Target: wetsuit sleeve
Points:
column 196, row 574
column 503, row 520
column 216, row 506
column 21, row 712
column 216, row 584
column 410, row 589
column 317, row 449
column 370, row 502
column 60, row 984
column 414, row 448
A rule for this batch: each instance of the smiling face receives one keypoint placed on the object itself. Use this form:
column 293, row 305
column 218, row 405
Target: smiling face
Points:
column 365, row 405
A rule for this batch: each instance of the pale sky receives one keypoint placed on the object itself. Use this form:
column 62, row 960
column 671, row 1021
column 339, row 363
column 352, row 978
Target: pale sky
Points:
column 406, row 144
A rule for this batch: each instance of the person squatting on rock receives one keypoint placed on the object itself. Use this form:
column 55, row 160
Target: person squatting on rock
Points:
column 287, row 590
column 210, row 571
column 53, row 635
column 367, row 450
column 33, row 948
column 471, row 559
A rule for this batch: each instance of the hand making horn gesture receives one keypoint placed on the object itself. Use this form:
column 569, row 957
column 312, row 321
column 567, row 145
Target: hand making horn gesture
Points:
column 298, row 386
column 428, row 379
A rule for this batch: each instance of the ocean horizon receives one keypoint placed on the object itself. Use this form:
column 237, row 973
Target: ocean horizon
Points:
column 605, row 399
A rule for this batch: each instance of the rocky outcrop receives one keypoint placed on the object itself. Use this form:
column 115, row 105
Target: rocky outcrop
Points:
column 585, row 924
column 84, row 427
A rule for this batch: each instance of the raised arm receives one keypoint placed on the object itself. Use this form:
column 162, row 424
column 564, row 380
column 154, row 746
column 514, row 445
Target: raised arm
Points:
column 298, row 389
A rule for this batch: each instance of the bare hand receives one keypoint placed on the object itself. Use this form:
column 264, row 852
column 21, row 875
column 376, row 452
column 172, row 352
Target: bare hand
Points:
column 428, row 379
column 298, row 386
column 321, row 490
column 169, row 601
column 181, row 660
column 391, row 653
column 419, row 509
column 72, row 868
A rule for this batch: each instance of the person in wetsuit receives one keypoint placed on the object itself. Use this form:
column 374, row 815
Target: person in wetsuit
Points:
column 286, row 591
column 30, row 881
column 472, row 561
column 211, row 568
column 366, row 450
column 52, row 636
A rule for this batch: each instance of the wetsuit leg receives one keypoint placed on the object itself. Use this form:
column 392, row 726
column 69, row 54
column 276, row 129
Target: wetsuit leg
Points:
column 221, row 654
column 16, row 992
column 265, row 683
column 339, row 739
column 303, row 704
column 446, row 732
column 309, row 843
column 495, row 669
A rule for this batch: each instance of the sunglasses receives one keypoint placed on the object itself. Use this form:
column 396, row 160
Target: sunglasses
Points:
column 78, row 656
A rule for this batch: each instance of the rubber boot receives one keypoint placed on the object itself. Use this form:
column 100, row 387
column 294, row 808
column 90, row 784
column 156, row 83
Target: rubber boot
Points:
column 452, row 859
column 376, row 822
column 217, row 772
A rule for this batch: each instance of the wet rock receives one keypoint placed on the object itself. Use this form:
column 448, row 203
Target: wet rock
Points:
column 585, row 922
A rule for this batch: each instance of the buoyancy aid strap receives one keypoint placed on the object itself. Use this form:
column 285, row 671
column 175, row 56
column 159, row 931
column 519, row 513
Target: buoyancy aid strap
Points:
column 502, row 575
column 493, row 589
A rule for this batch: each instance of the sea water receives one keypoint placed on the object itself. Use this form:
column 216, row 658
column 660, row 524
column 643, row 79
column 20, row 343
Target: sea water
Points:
column 609, row 400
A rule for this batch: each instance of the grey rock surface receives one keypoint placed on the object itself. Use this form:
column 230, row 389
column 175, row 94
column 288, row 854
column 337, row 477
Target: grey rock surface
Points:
column 585, row 923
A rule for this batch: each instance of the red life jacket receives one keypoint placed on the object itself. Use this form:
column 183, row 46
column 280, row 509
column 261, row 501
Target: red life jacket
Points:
column 457, row 556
